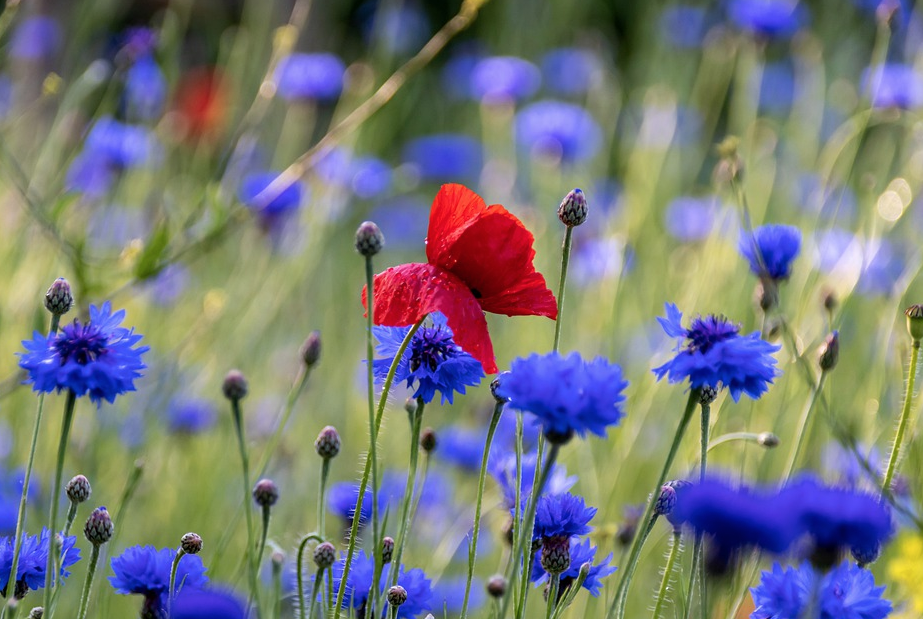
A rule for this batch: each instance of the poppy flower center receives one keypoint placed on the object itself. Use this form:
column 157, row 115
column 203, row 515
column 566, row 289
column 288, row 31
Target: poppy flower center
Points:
column 431, row 349
column 82, row 343
column 708, row 331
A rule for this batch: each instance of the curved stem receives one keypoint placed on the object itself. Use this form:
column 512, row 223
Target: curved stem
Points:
column 803, row 430
column 363, row 483
column 408, row 491
column 299, row 566
column 482, row 478
column 617, row 608
column 88, row 583
column 565, row 256
column 171, row 592
column 572, row 590
column 69, row 406
column 676, row 547
column 905, row 417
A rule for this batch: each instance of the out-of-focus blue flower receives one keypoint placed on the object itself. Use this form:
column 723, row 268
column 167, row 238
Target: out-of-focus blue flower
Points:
column 561, row 515
column 405, row 219
column 342, row 497
column 445, row 157
column 501, row 79
column 6, row 96
column 606, row 195
column 35, row 38
column 464, row 447
column 882, row 270
column 776, row 88
column 838, row 249
column 716, row 355
column 359, row 583
column 98, row 358
column 449, row 594
column 893, row 85
column 778, row 246
column 120, row 145
column 10, row 493
column 138, row 42
column 398, row 28
column 503, row 470
column 597, row 259
column 456, row 75
column 685, row 26
column 146, row 571
column 273, row 214
column 317, row 77
column 566, row 394
column 33, row 559
column 560, row 130
column 691, row 219
column 371, row 177
column 145, row 89
column 844, row 466
column 833, row 204
column 571, row 70
column 166, row 288
column 433, row 361
column 208, row 604
column 190, row 415
column 773, row 19
column 847, row 592
column 580, row 552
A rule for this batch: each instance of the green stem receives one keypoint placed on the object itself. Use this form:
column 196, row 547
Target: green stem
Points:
column 697, row 574
column 540, row 473
column 373, row 430
column 553, row 586
column 617, row 608
column 482, row 478
column 88, row 583
column 675, row 549
column 322, row 497
column 565, row 256
column 802, row 430
column 277, row 590
column 69, row 519
column 363, row 483
column 318, row 578
column 572, row 591
column 905, row 417
column 408, row 491
column 172, row 590
column 254, row 595
column 299, row 565
column 265, row 532
column 69, row 406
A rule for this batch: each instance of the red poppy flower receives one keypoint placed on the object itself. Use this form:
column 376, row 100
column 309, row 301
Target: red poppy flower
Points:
column 479, row 260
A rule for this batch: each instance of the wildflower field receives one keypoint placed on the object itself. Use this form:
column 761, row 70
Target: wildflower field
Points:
column 393, row 308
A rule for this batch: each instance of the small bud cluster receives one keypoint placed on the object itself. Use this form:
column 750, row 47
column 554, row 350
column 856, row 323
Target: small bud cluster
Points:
column 327, row 444
column 324, row 555
column 573, row 209
column 191, row 543
column 369, row 239
column 99, row 527
column 265, row 493
column 78, row 489
column 58, row 299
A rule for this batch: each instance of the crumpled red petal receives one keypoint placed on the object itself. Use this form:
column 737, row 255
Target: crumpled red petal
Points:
column 454, row 208
column 406, row 293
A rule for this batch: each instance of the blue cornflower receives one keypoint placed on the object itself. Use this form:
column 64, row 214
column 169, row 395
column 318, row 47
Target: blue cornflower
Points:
column 504, row 78
column 317, row 77
column 121, row 145
column 342, row 498
column 777, row 88
column 564, row 131
column 445, row 157
column 464, row 447
column 145, row 89
column 893, row 85
column 566, row 394
column 851, row 467
column 371, row 177
column 98, row 358
column 717, row 355
column 503, row 470
column 36, row 37
column 449, row 594
column 561, row 515
column 571, row 71
column 689, row 218
column 884, row 265
column 847, row 592
column 146, row 571
column 580, row 552
column 774, row 19
column 778, row 247
column 10, row 492
column 190, row 415
column 395, row 28
column 208, row 604
column 433, row 361
column 33, row 559
column 287, row 201
column 359, row 583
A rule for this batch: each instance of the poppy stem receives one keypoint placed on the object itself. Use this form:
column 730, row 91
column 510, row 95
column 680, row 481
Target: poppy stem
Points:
column 473, row 544
column 69, row 406
column 409, row 489
column 565, row 258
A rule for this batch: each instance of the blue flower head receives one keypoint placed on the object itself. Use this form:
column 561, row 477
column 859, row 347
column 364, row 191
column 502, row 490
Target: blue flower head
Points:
column 287, row 201
column 503, row 470
column 97, row 358
column 433, row 361
column 778, row 247
column 190, row 415
column 564, row 131
column 773, row 19
column 566, row 394
column 208, row 604
column 504, row 78
column 571, row 70
column 359, row 583
column 445, row 157
column 717, row 355
column 561, row 515
column 146, row 571
column 847, row 592
column 316, row 77
column 33, row 559
column 145, row 89
column 343, row 496
column 580, row 552
column 894, row 85
column 36, row 37
column 691, row 219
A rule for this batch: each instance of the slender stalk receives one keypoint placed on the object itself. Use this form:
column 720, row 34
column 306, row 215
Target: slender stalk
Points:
column 482, row 478
column 276, row 612
column 905, row 417
column 802, row 429
column 373, row 428
column 88, row 583
column 676, row 547
column 408, row 491
column 363, row 483
column 565, row 256
column 254, row 595
column 617, row 608
column 318, row 579
column 572, row 591
column 299, row 566
column 69, row 519
column 263, row 535
column 171, row 592
column 69, row 405
column 528, row 524
column 553, row 586
column 697, row 574
column 322, row 497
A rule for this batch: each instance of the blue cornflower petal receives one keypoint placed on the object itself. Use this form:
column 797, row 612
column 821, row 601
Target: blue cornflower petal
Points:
column 445, row 157
column 571, row 70
column 432, row 362
column 310, row 76
column 561, row 130
column 145, row 89
column 97, row 358
column 288, row 200
column 359, row 583
column 190, row 415
column 503, row 470
column 689, row 218
column 208, row 604
column 778, row 246
column 580, row 552
column 146, row 571
column 566, row 394
column 894, row 85
column 773, row 19
column 504, row 78
column 33, row 559
column 561, row 515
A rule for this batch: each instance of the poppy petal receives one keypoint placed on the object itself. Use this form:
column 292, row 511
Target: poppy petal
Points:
column 406, row 293
column 454, row 208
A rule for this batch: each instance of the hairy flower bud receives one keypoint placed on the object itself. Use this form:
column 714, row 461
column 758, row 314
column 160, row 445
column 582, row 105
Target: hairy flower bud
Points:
column 573, row 209
column 556, row 554
column 234, row 386
column 397, row 595
column 99, row 527
column 428, row 440
column 496, row 586
column 78, row 489
column 387, row 549
column 369, row 239
column 36, row 613
column 327, row 444
column 265, row 493
column 914, row 315
column 58, row 299
column 191, row 543
column 324, row 555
